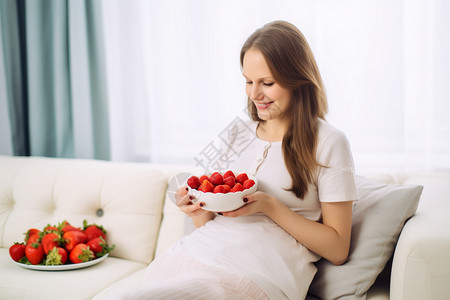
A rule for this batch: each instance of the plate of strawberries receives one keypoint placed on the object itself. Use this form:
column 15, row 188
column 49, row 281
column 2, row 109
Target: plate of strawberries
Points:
column 61, row 247
column 222, row 192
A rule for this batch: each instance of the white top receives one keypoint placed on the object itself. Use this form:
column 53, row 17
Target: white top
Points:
column 255, row 245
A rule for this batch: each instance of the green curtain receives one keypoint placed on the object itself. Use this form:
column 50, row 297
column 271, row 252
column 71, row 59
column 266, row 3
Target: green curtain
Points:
column 55, row 77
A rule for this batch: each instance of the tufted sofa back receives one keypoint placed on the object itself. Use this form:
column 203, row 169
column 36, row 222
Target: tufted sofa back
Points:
column 126, row 198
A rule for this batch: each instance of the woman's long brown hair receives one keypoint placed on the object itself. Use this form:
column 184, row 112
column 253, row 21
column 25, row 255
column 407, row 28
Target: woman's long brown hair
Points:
column 293, row 66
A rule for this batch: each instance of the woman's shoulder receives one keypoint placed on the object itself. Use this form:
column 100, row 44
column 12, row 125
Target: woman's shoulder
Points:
column 329, row 134
column 326, row 129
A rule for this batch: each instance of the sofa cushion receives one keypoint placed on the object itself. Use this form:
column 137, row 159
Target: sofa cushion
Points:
column 378, row 218
column 18, row 283
column 173, row 225
column 129, row 283
column 126, row 198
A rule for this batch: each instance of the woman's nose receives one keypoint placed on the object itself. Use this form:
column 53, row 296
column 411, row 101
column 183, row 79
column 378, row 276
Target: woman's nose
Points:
column 256, row 93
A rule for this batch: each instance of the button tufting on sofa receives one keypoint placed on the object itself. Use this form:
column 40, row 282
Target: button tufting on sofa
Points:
column 99, row 212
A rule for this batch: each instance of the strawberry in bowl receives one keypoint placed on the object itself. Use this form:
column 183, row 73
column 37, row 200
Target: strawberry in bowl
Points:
column 222, row 192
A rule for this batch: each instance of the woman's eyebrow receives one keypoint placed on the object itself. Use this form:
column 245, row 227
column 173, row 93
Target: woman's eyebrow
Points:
column 262, row 78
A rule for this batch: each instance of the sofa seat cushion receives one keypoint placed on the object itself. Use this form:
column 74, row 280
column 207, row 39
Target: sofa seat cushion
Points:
column 127, row 284
column 20, row 283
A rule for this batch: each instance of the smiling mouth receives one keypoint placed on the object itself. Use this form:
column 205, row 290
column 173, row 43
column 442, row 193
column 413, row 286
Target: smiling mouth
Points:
column 263, row 105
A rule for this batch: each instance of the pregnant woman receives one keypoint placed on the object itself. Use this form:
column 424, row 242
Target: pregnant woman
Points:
column 302, row 210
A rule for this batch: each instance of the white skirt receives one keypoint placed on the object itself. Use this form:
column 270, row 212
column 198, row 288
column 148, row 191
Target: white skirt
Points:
column 176, row 275
column 257, row 248
column 231, row 258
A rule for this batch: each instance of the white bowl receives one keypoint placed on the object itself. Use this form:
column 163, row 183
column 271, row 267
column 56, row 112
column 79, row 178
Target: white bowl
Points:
column 221, row 202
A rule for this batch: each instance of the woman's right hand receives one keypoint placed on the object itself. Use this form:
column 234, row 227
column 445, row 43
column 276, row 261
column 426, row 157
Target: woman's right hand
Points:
column 185, row 203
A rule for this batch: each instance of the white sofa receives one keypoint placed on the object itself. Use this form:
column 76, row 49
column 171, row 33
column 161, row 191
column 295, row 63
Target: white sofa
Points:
column 129, row 200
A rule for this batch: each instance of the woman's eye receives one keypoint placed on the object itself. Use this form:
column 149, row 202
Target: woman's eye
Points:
column 268, row 83
column 248, row 82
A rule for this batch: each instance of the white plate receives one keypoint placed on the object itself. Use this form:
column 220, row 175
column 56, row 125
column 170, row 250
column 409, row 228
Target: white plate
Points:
column 63, row 267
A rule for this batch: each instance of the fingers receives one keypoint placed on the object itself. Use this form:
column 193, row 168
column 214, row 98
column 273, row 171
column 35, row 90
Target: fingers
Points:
column 243, row 210
column 180, row 193
column 185, row 200
column 183, row 190
column 236, row 213
column 253, row 197
column 192, row 209
column 186, row 204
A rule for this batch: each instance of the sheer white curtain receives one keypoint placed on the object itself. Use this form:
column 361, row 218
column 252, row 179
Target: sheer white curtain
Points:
column 175, row 82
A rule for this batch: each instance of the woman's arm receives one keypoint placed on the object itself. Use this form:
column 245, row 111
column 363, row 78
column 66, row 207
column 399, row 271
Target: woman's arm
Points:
column 330, row 239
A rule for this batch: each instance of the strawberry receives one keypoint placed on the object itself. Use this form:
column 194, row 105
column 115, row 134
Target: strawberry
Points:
column 66, row 226
column 92, row 231
column 206, row 186
column 69, row 227
column 30, row 232
column 228, row 174
column 50, row 241
column 248, row 183
column 222, row 189
column 34, row 253
column 203, row 178
column 50, row 228
column 17, row 251
column 57, row 256
column 237, row 188
column 73, row 238
column 34, row 238
column 193, row 182
column 241, row 178
column 230, row 181
column 81, row 253
column 216, row 178
column 99, row 246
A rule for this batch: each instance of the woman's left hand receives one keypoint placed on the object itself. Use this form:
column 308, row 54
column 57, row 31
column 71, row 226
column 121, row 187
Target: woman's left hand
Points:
column 256, row 202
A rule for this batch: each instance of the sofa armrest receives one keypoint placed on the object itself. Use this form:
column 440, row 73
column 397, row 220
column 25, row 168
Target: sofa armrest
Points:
column 421, row 264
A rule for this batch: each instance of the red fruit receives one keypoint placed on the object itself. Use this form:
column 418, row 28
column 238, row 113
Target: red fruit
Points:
column 206, row 186
column 203, row 178
column 96, row 245
column 33, row 238
column 193, row 182
column 57, row 256
column 81, row 253
column 17, row 251
column 50, row 228
column 30, row 232
column 248, row 183
column 237, row 188
column 230, row 181
column 222, row 189
column 92, row 231
column 50, row 241
column 227, row 188
column 34, row 253
column 73, row 238
column 241, row 178
column 228, row 174
column 216, row 178
column 66, row 227
column 99, row 246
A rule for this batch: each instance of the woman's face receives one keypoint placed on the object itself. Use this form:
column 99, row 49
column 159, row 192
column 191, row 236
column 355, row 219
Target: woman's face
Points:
column 270, row 98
